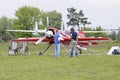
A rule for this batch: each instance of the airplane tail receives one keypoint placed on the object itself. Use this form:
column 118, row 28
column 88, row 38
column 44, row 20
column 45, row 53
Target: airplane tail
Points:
column 81, row 34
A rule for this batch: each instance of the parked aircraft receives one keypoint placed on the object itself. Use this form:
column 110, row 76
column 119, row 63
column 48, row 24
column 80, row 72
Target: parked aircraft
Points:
column 65, row 39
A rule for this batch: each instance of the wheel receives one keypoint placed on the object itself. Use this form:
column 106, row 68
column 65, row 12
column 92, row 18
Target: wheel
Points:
column 40, row 53
column 80, row 51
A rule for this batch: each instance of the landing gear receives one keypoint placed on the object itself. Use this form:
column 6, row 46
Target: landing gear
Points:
column 41, row 53
column 80, row 51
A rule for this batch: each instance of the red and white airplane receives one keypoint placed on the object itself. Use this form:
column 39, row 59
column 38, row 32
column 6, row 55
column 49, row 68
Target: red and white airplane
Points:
column 65, row 39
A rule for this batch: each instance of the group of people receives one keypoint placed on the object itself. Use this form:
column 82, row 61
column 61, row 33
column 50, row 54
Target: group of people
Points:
column 73, row 49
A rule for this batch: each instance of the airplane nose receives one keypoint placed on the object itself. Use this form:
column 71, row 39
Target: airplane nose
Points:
column 49, row 34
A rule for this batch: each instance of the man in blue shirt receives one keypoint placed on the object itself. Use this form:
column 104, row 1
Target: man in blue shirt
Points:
column 57, row 44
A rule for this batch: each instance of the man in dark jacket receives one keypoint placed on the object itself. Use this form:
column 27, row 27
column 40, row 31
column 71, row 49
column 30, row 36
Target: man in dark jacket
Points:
column 73, row 48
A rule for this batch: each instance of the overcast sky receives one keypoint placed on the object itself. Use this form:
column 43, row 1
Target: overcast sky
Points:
column 105, row 13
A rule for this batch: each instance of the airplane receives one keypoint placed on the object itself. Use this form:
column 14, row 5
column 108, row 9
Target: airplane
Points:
column 82, row 41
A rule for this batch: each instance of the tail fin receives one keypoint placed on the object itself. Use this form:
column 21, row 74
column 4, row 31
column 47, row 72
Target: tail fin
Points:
column 81, row 34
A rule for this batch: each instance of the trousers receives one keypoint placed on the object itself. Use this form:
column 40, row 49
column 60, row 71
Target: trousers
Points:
column 73, row 48
column 57, row 50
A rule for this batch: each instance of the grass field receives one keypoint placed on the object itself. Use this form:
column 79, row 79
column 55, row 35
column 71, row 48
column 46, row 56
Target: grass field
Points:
column 93, row 64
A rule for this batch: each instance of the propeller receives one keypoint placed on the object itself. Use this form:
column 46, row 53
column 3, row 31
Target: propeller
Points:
column 48, row 34
column 39, row 41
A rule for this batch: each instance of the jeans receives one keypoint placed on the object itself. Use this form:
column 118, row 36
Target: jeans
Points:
column 57, row 50
column 73, row 49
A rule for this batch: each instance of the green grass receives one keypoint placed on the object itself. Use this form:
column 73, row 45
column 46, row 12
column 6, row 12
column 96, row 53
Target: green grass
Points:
column 93, row 64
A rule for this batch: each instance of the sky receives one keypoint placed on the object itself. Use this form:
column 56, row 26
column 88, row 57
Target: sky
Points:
column 104, row 13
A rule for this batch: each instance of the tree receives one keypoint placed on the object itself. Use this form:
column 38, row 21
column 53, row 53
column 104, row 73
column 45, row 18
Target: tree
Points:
column 84, row 21
column 99, row 28
column 76, row 18
column 118, row 34
column 113, row 35
column 54, row 19
column 25, row 20
column 27, row 16
column 72, row 16
column 5, row 23
column 87, row 29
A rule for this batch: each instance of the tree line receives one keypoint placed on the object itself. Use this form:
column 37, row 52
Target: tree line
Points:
column 26, row 16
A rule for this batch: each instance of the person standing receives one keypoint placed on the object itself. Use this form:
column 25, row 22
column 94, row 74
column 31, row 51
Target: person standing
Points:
column 57, row 44
column 73, row 48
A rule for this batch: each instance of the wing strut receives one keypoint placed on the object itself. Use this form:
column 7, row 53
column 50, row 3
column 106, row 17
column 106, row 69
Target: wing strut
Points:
column 41, row 53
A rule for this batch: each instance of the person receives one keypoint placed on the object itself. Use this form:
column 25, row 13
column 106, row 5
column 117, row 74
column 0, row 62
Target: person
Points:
column 73, row 48
column 57, row 44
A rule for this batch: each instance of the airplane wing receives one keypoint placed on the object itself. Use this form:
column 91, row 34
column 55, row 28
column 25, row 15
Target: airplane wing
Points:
column 36, row 30
column 41, row 31
column 29, row 39
column 95, row 31
column 85, row 41
column 93, row 38
column 20, row 30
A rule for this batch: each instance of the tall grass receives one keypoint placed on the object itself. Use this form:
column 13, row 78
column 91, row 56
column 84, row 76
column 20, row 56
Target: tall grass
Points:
column 47, row 67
